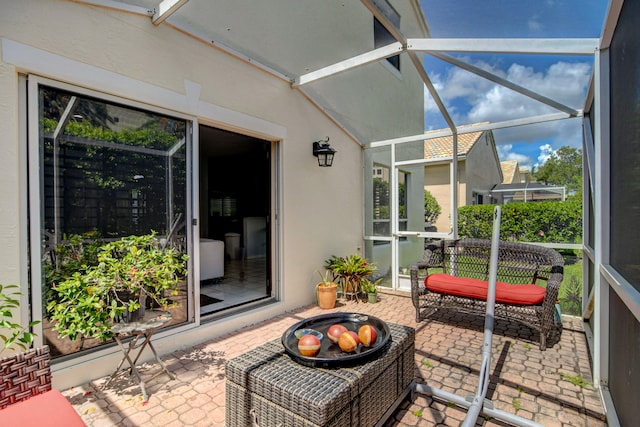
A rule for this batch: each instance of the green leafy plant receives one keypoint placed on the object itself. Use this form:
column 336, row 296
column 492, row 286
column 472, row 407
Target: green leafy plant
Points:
column 72, row 254
column 325, row 281
column 350, row 271
column 370, row 287
column 130, row 271
column 574, row 379
column 427, row 363
column 516, row 404
column 18, row 337
column 432, row 209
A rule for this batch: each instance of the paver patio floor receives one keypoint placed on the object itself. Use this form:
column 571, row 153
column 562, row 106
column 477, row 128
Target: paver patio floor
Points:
column 524, row 380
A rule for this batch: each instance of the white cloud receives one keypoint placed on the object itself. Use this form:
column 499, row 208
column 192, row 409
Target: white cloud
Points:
column 505, row 152
column 472, row 99
column 545, row 152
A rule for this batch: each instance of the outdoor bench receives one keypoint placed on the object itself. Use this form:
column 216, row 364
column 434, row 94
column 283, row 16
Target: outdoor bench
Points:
column 26, row 396
column 457, row 274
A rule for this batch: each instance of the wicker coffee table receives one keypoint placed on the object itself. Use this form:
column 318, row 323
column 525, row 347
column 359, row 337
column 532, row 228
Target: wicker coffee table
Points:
column 266, row 387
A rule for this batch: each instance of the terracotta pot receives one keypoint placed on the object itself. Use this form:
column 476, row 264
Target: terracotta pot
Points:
column 326, row 295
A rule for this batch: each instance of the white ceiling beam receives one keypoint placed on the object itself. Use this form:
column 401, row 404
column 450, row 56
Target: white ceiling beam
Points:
column 419, row 66
column 460, row 130
column 568, row 47
column 165, row 9
column 506, row 83
column 349, row 64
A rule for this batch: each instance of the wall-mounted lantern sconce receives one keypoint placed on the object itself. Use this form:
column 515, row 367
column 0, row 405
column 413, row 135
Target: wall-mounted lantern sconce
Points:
column 323, row 151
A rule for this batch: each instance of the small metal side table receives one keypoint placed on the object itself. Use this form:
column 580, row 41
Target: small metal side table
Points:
column 143, row 329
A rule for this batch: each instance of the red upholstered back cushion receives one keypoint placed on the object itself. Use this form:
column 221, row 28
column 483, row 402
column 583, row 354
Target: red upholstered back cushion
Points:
column 474, row 288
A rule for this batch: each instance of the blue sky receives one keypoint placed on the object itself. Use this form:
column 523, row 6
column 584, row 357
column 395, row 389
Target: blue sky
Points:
column 471, row 99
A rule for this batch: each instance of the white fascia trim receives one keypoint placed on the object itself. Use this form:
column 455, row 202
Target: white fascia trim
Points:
column 351, row 63
column 531, row 46
column 165, row 9
column 33, row 60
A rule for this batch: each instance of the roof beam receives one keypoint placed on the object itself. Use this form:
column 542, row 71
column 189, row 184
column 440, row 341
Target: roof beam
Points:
column 506, row 83
column 570, row 47
column 349, row 64
column 165, row 9
column 475, row 128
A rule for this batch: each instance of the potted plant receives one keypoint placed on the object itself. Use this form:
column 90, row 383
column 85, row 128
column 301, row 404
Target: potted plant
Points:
column 326, row 292
column 371, row 289
column 129, row 273
column 19, row 336
column 350, row 271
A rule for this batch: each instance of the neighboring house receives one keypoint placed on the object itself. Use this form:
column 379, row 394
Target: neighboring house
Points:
column 518, row 185
column 232, row 162
column 511, row 172
column 526, row 175
column 478, row 171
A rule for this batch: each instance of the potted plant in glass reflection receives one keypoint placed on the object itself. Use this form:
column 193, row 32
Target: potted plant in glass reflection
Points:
column 129, row 273
column 350, row 272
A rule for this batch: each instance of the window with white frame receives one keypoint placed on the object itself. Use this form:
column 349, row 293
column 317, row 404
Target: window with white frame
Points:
column 107, row 170
column 381, row 36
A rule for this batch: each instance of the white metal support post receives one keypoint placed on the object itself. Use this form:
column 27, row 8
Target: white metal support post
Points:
column 477, row 403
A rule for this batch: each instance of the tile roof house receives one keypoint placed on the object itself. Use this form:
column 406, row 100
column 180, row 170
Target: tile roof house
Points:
column 519, row 185
column 510, row 172
column 478, row 170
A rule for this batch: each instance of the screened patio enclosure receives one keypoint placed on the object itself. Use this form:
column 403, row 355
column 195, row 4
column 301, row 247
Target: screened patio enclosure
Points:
column 394, row 228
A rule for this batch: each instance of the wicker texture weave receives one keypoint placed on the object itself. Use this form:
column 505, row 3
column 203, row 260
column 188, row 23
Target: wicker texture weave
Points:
column 283, row 392
column 24, row 375
column 518, row 263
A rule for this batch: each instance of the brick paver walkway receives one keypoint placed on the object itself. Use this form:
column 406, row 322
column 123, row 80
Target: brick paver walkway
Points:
column 525, row 381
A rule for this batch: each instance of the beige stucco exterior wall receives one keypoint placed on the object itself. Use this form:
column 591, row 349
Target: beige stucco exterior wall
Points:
column 437, row 181
column 124, row 55
column 483, row 167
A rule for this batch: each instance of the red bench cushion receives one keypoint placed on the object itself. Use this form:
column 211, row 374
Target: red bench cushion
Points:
column 474, row 288
column 50, row 409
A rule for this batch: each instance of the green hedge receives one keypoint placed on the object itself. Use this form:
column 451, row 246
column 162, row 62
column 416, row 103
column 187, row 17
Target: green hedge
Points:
column 553, row 222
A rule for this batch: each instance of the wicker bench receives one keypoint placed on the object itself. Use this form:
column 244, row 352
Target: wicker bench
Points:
column 26, row 396
column 456, row 278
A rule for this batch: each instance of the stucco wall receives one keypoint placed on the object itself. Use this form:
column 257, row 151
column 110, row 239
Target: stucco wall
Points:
column 437, row 182
column 124, row 55
column 483, row 167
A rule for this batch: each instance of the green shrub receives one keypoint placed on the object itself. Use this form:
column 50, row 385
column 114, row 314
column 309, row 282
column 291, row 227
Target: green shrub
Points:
column 552, row 222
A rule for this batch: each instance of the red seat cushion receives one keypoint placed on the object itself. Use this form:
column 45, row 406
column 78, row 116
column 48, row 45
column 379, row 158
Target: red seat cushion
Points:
column 474, row 288
column 50, row 409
